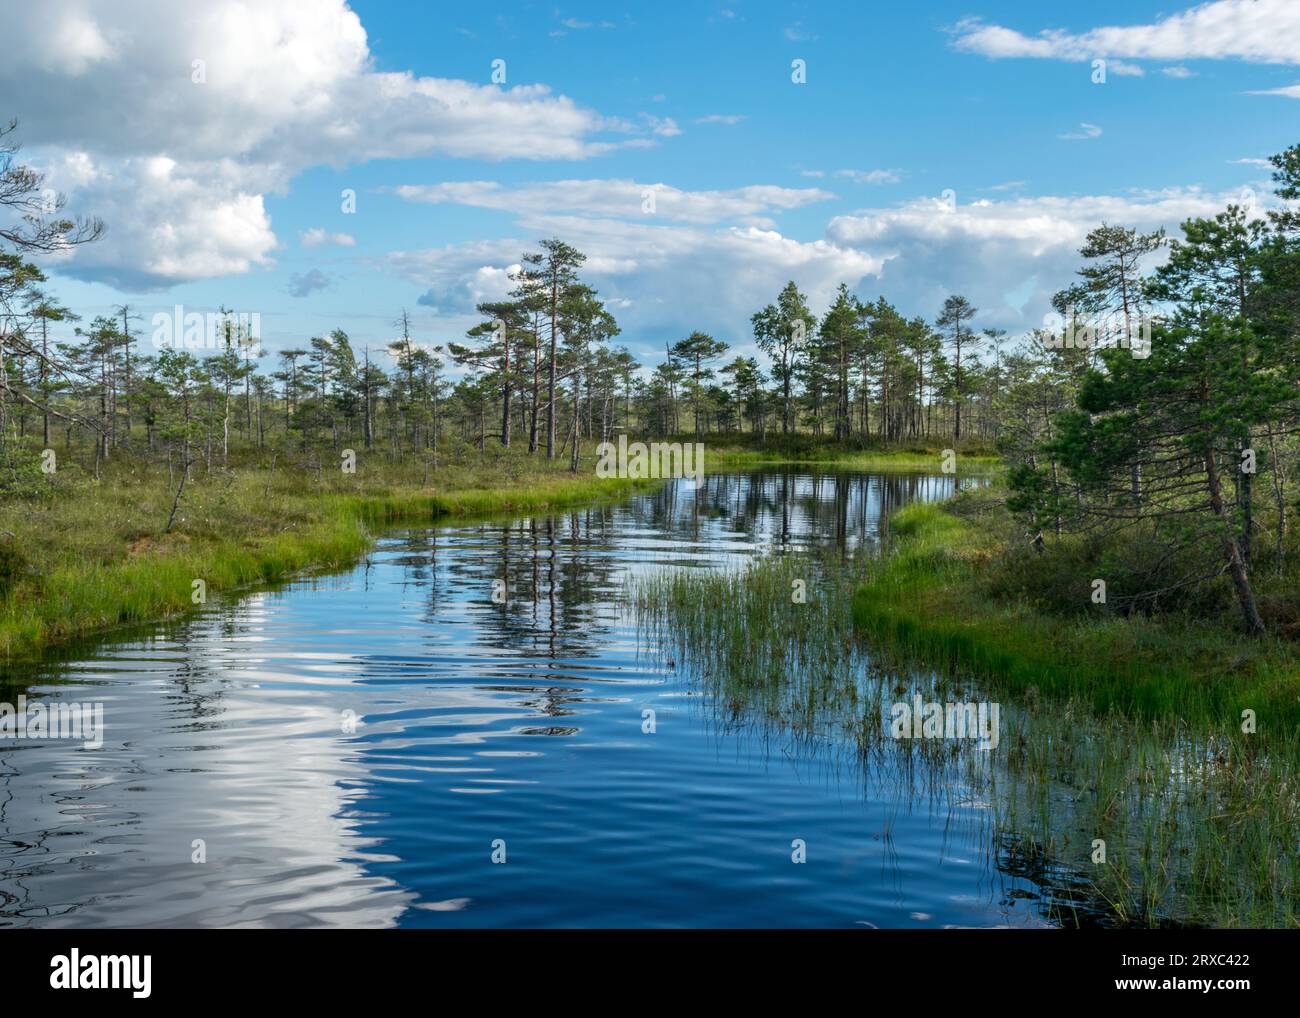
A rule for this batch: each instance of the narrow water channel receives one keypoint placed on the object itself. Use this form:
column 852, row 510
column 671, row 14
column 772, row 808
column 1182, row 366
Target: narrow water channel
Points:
column 394, row 746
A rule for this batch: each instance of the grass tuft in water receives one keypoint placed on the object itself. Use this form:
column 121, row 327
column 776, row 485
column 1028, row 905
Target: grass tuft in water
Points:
column 1201, row 823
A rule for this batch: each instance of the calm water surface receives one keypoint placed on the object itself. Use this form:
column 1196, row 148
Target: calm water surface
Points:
column 481, row 723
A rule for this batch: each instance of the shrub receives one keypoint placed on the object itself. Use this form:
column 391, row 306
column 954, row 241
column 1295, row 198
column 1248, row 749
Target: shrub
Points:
column 13, row 563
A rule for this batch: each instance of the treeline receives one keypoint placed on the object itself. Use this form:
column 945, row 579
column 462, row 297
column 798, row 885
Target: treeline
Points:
column 541, row 371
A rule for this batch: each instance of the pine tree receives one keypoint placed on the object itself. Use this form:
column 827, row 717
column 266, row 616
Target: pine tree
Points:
column 780, row 330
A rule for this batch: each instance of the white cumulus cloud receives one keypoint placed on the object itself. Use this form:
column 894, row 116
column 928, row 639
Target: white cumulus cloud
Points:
column 1261, row 31
column 319, row 237
column 617, row 198
column 183, row 116
column 1008, row 257
column 660, row 278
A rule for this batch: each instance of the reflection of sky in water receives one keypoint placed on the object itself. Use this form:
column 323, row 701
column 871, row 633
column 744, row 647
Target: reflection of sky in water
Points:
column 480, row 721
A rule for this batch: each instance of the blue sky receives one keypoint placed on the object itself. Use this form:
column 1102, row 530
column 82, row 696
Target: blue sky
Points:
column 228, row 191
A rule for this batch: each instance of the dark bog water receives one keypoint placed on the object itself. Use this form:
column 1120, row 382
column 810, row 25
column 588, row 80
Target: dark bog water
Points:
column 518, row 724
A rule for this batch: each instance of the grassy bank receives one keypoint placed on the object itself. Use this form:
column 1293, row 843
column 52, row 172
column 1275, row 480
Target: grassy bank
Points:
column 1199, row 820
column 80, row 556
column 1125, row 728
column 734, row 452
column 941, row 597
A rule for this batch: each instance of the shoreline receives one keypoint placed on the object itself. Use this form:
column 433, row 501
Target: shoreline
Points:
column 301, row 533
column 924, row 603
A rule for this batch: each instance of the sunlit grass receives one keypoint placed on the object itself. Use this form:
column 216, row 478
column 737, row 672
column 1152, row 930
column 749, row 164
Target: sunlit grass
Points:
column 87, row 555
column 927, row 601
column 729, row 451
